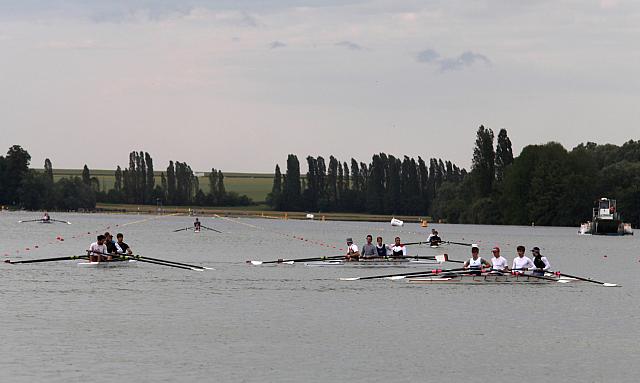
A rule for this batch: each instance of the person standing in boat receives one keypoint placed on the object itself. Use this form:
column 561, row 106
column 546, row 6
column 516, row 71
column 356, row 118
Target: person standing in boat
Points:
column 398, row 249
column 381, row 249
column 97, row 249
column 352, row 251
column 521, row 263
column 475, row 263
column 369, row 249
column 196, row 225
column 121, row 247
column 498, row 262
column 541, row 264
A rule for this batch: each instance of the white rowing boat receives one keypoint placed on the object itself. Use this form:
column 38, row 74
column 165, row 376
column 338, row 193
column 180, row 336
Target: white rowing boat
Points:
column 130, row 262
column 488, row 279
column 387, row 263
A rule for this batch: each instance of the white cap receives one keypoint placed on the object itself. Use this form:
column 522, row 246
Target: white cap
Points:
column 474, row 245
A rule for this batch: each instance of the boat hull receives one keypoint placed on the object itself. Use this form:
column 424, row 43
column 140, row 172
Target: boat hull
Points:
column 107, row 264
column 488, row 279
column 403, row 263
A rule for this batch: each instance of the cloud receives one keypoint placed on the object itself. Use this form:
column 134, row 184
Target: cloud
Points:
column 277, row 44
column 76, row 45
column 465, row 59
column 350, row 45
column 427, row 56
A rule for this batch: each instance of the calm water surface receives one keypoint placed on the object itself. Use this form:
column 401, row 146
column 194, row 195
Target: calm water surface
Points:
column 241, row 323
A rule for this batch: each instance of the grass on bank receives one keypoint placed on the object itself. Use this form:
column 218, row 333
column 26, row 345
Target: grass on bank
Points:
column 254, row 185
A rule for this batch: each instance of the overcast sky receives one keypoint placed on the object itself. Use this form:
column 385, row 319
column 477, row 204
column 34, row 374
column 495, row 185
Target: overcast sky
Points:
column 237, row 85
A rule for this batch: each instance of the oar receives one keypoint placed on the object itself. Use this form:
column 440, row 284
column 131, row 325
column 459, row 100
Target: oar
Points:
column 47, row 259
column 186, row 228
column 457, row 243
column 138, row 257
column 124, row 257
column 57, row 220
column 605, row 284
column 31, row 220
column 208, row 228
column 291, row 261
column 162, row 263
column 402, row 275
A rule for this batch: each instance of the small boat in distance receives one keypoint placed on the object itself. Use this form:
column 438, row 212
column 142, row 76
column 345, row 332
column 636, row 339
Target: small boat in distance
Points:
column 606, row 220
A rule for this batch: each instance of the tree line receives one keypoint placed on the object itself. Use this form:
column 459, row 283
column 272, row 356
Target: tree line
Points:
column 27, row 188
column 546, row 184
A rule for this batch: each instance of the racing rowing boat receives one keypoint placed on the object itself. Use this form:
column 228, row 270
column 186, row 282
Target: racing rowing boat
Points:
column 488, row 279
column 373, row 263
column 115, row 263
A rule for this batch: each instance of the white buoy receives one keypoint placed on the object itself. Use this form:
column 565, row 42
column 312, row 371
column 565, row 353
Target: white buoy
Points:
column 396, row 222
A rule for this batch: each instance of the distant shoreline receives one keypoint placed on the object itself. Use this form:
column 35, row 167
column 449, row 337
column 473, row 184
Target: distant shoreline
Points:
column 252, row 212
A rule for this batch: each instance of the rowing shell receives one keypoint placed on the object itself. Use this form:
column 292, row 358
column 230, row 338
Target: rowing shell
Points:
column 488, row 279
column 130, row 262
column 398, row 263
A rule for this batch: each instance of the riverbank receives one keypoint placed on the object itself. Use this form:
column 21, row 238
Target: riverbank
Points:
column 257, row 211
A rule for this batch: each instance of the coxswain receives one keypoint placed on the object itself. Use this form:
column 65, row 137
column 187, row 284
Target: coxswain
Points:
column 475, row 263
column 369, row 249
column 110, row 244
column 97, row 249
column 498, row 262
column 121, row 247
column 196, row 225
column 398, row 249
column 352, row 251
column 521, row 263
column 45, row 217
column 541, row 263
column 381, row 248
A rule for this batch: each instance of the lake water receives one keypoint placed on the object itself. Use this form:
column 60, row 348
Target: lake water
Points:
column 291, row 323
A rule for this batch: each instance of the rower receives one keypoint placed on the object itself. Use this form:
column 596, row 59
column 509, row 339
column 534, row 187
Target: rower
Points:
column 196, row 225
column 541, row 263
column 433, row 234
column 97, row 249
column 521, row 263
column 381, row 248
column 45, row 217
column 121, row 247
column 475, row 263
column 352, row 251
column 398, row 249
column 369, row 249
column 434, row 239
column 498, row 262
column 110, row 244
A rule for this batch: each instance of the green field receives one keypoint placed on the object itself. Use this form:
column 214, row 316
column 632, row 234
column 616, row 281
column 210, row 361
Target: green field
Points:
column 254, row 185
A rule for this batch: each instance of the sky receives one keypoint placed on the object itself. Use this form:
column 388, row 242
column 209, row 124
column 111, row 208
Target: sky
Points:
column 237, row 85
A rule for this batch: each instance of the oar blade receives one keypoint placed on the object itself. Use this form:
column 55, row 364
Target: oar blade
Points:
column 256, row 263
column 350, row 279
column 610, row 285
column 395, row 278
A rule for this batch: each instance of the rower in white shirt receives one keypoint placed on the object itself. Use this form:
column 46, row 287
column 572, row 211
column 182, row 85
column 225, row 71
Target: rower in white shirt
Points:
column 398, row 249
column 97, row 250
column 352, row 251
column 475, row 263
column 521, row 263
column 541, row 263
column 498, row 262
